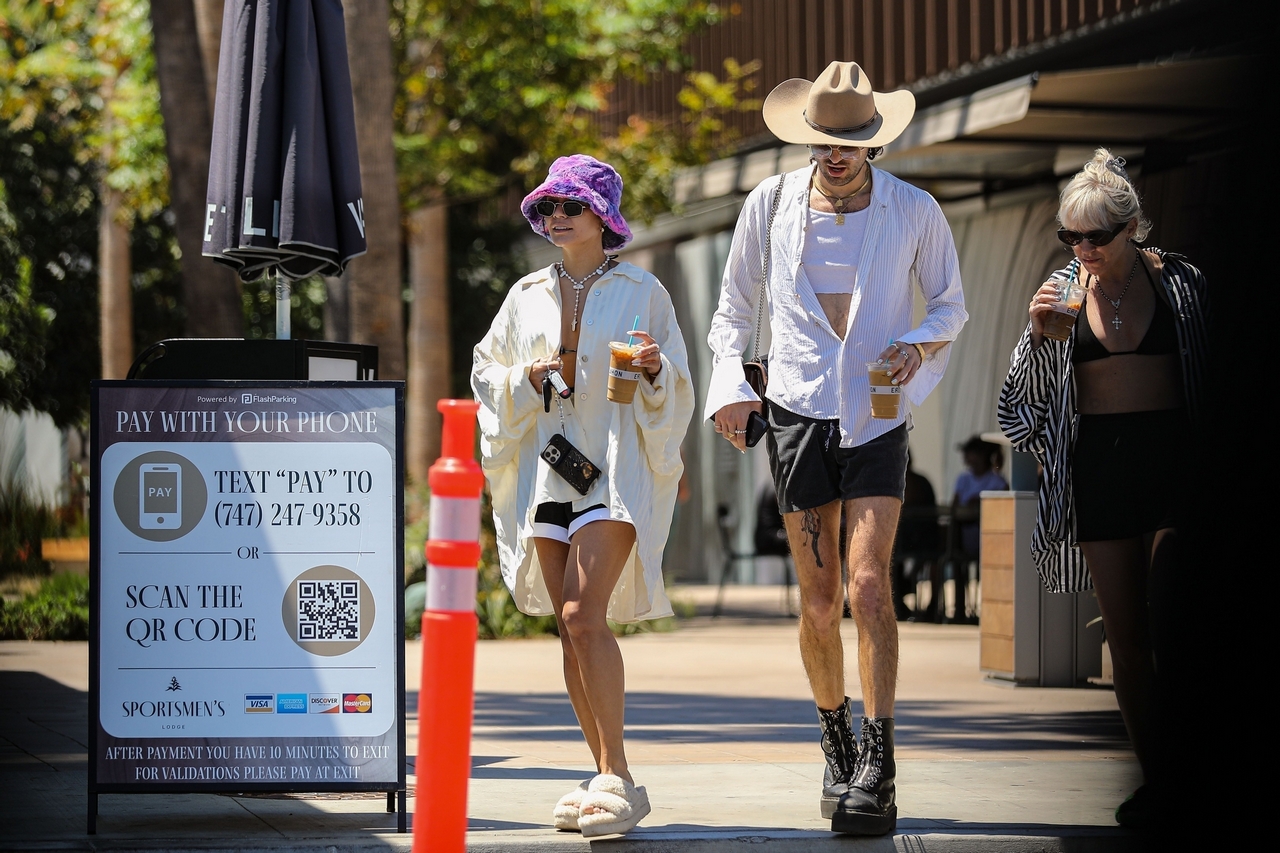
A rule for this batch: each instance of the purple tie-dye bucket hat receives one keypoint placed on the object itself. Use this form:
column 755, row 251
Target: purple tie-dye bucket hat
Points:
column 585, row 179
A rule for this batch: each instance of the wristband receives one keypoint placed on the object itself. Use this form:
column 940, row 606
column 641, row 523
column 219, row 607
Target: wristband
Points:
column 920, row 350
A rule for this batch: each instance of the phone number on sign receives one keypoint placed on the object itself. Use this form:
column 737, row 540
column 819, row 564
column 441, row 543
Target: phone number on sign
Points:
column 251, row 514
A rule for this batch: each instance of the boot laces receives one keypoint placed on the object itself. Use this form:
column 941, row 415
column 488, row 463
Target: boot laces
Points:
column 838, row 744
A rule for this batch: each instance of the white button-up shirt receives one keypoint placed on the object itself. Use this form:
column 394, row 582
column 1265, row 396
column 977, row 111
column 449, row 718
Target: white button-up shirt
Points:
column 813, row 372
column 636, row 447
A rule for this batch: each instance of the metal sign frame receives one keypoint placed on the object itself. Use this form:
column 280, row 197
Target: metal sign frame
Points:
column 124, row 513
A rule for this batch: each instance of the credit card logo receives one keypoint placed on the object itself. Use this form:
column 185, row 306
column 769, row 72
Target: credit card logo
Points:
column 291, row 703
column 357, row 703
column 260, row 703
column 324, row 703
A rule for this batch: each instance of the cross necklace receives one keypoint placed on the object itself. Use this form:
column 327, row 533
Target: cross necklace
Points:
column 840, row 202
column 579, row 284
column 1115, row 303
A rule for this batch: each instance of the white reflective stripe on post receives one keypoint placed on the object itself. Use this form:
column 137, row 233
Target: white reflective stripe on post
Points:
column 455, row 519
column 451, row 589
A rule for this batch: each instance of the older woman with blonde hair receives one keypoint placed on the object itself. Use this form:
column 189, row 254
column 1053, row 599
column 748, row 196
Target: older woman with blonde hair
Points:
column 1108, row 413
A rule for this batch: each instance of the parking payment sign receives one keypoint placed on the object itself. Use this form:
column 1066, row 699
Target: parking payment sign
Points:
column 246, row 585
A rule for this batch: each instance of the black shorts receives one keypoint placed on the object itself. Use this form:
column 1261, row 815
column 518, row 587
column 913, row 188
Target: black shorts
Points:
column 558, row 521
column 811, row 469
column 1126, row 476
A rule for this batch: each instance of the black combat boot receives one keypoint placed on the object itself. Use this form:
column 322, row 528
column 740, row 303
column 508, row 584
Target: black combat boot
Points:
column 841, row 751
column 868, row 807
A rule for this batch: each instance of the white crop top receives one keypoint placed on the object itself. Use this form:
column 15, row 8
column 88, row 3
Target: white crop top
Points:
column 831, row 251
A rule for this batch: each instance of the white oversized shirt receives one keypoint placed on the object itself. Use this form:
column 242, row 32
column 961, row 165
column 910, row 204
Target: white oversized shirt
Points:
column 636, row 447
column 813, row 372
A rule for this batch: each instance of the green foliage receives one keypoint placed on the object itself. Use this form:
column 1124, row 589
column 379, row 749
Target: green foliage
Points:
column 87, row 65
column 48, row 272
column 484, row 262
column 79, row 107
column 306, row 308
column 58, row 610
column 491, row 91
column 23, row 523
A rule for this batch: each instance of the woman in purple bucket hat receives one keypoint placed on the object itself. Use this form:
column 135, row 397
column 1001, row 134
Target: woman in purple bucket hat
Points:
column 583, row 487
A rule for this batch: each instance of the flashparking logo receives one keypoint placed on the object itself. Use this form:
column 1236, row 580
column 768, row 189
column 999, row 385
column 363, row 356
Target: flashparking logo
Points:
column 259, row 703
column 324, row 703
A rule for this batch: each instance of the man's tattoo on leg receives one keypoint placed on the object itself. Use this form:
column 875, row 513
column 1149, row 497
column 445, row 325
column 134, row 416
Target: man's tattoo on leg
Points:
column 812, row 526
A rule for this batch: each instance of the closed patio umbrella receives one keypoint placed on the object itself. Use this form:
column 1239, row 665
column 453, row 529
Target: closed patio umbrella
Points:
column 284, row 192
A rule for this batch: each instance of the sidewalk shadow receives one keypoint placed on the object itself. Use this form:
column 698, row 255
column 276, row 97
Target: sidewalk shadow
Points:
column 701, row 718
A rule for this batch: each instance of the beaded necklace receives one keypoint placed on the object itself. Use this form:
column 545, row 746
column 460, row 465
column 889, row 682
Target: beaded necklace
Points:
column 579, row 284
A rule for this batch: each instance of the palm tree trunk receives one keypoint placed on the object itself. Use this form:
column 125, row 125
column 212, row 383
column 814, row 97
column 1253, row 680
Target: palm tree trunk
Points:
column 211, row 291
column 375, row 280
column 115, row 298
column 209, row 31
column 429, row 361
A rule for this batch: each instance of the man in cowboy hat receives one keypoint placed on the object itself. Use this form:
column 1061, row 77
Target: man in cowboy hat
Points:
column 846, row 246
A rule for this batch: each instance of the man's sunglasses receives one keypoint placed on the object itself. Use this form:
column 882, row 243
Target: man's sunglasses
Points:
column 823, row 152
column 1100, row 237
column 571, row 208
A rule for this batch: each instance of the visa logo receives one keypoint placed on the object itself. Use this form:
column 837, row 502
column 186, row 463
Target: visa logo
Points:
column 260, row 703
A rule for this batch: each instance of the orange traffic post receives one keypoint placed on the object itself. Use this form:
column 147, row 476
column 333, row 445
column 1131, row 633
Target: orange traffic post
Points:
column 449, row 637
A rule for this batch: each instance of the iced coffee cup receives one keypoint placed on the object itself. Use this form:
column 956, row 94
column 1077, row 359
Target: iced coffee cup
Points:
column 885, row 396
column 623, row 375
column 1058, row 323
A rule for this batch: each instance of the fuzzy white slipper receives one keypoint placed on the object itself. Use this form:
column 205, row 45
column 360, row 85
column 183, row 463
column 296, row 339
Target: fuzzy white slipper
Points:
column 619, row 806
column 565, row 816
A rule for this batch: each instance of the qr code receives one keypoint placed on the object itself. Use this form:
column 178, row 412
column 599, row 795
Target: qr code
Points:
column 328, row 610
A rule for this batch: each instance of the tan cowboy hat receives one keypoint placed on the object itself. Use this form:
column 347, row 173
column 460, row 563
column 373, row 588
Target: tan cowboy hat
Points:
column 838, row 108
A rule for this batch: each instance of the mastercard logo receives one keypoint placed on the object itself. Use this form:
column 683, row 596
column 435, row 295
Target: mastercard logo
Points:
column 357, row 703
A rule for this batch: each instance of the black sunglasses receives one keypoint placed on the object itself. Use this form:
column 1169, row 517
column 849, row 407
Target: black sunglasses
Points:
column 1100, row 237
column 571, row 208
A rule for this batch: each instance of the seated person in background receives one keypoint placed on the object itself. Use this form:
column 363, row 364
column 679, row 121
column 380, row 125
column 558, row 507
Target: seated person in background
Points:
column 982, row 458
column 917, row 538
column 771, row 535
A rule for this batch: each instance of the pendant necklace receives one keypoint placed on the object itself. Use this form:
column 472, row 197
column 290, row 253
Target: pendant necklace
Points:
column 579, row 284
column 1115, row 303
column 840, row 202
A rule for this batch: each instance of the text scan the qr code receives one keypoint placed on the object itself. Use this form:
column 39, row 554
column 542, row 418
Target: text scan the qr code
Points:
column 328, row 610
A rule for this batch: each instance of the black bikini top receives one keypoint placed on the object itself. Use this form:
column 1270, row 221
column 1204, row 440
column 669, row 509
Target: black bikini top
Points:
column 1161, row 337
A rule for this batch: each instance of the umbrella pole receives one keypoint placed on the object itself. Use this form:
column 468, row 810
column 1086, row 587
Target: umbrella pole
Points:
column 283, row 324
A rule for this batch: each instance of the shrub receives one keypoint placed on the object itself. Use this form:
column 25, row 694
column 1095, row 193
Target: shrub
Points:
column 23, row 523
column 58, row 610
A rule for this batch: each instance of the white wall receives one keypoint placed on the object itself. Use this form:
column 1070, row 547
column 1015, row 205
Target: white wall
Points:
column 31, row 455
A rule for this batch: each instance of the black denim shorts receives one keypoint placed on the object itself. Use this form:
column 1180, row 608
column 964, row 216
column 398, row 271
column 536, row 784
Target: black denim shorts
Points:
column 811, row 469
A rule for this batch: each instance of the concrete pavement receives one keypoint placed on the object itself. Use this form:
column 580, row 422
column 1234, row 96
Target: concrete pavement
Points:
column 720, row 728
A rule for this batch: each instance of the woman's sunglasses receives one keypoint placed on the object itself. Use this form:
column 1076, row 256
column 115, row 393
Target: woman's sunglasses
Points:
column 571, row 208
column 1100, row 237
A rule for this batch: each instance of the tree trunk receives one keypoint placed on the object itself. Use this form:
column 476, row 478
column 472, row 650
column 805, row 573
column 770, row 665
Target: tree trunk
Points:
column 374, row 280
column 211, row 291
column 429, row 361
column 115, row 299
column 209, row 30
column 337, row 314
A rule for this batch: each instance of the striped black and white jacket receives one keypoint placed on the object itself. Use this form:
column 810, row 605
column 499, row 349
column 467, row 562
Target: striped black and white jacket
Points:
column 1037, row 411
